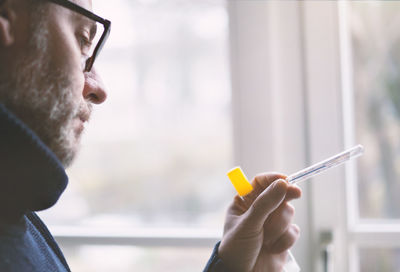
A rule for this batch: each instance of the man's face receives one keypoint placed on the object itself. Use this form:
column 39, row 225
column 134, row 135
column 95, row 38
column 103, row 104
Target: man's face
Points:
column 45, row 85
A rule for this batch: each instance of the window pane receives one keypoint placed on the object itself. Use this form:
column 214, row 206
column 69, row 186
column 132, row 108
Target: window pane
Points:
column 157, row 151
column 379, row 259
column 124, row 258
column 375, row 28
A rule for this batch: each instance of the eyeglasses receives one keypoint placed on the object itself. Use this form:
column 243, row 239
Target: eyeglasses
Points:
column 97, row 36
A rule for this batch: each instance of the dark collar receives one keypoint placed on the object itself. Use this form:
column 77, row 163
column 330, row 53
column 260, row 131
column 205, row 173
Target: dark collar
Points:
column 31, row 176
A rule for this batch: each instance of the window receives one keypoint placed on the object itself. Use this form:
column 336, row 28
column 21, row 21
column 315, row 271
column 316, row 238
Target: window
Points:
column 149, row 183
column 357, row 45
column 310, row 79
column 375, row 45
column 376, row 50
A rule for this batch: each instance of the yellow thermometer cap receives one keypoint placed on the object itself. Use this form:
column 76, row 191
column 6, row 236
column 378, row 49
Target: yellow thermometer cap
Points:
column 239, row 181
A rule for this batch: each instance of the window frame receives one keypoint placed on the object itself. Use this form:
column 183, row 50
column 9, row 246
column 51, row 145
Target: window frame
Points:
column 149, row 237
column 342, row 219
column 266, row 51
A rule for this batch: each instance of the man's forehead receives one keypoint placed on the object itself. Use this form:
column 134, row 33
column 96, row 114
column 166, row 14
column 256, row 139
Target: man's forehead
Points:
column 87, row 4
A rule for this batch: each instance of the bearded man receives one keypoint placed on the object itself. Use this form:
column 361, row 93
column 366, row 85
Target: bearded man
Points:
column 47, row 88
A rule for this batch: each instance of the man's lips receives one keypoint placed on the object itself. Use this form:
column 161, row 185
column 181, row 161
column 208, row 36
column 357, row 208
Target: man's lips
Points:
column 81, row 121
column 84, row 113
column 79, row 125
column 83, row 118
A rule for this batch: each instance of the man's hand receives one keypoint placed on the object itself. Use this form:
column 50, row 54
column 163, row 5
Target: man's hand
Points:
column 258, row 230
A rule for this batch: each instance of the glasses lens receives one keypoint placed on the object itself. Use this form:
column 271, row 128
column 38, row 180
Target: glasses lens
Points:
column 96, row 33
column 90, row 39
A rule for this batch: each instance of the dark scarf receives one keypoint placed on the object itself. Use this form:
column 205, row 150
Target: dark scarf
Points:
column 31, row 176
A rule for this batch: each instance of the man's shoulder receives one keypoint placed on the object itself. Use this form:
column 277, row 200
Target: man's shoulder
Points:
column 15, row 249
column 27, row 246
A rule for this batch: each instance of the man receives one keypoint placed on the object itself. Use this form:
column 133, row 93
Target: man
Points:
column 47, row 88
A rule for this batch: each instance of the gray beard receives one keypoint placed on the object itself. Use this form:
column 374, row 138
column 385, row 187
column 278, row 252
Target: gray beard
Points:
column 41, row 95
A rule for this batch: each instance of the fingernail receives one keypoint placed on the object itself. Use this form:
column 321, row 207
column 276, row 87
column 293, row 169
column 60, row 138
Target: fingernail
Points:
column 280, row 183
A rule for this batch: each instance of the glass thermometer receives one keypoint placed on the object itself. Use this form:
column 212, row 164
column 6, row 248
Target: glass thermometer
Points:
column 333, row 161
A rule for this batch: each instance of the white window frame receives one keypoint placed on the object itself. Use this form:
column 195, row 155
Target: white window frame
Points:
column 149, row 237
column 331, row 128
column 325, row 127
column 268, row 97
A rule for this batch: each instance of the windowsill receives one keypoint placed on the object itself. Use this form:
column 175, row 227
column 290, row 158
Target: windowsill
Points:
column 136, row 236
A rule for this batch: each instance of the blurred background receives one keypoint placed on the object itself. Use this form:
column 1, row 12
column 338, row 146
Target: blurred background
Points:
column 198, row 87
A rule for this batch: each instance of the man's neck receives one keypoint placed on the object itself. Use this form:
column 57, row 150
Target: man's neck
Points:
column 31, row 177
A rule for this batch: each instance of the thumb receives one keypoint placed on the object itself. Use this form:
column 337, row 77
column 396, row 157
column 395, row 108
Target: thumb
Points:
column 266, row 203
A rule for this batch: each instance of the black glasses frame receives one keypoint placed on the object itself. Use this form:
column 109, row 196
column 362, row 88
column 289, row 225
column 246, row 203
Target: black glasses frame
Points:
column 106, row 23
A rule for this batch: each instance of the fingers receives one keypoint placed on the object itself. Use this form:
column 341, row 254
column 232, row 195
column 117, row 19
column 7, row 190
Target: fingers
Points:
column 241, row 205
column 265, row 179
column 260, row 183
column 278, row 223
column 293, row 192
column 287, row 240
column 268, row 201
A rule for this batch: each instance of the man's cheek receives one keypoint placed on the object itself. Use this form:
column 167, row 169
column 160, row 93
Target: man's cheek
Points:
column 78, row 84
column 67, row 58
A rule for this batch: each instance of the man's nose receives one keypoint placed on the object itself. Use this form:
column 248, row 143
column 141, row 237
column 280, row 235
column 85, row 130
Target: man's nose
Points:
column 94, row 90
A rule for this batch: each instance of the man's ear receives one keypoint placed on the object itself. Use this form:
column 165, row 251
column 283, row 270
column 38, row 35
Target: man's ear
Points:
column 7, row 16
